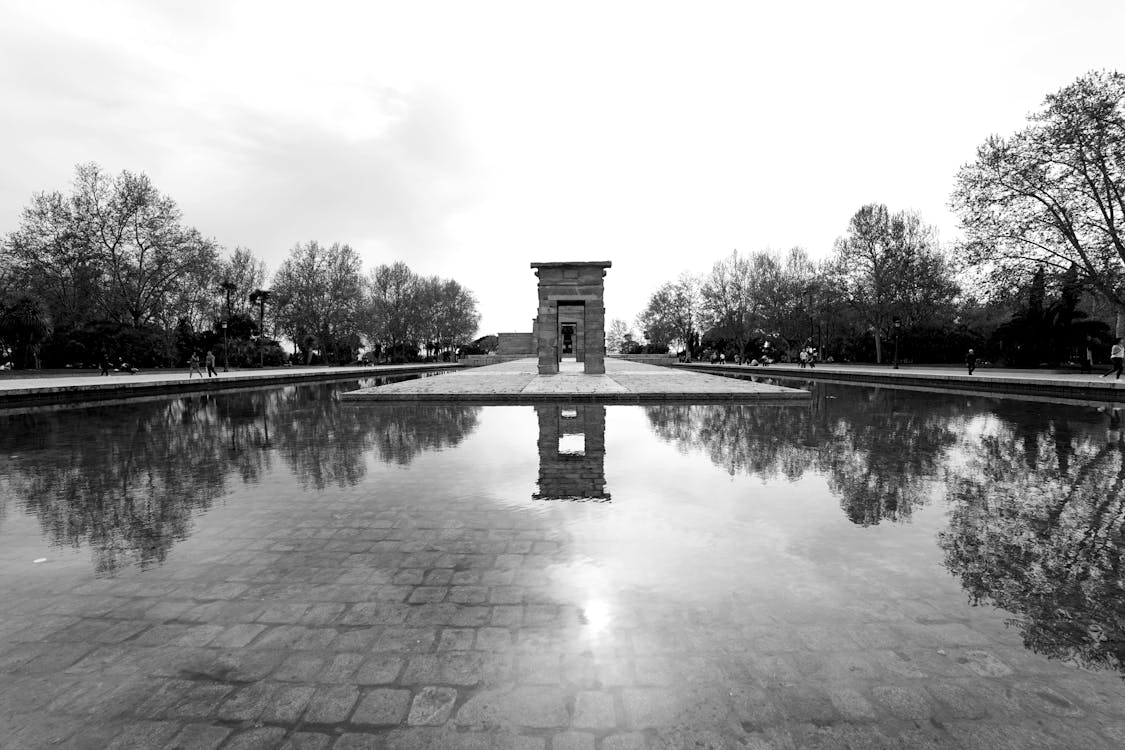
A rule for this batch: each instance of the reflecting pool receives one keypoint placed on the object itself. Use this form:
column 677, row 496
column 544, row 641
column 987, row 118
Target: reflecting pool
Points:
column 875, row 567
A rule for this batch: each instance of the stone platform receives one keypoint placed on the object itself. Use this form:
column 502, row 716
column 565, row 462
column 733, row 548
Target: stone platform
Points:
column 623, row 383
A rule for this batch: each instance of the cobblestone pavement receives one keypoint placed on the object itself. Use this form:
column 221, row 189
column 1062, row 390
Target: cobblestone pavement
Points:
column 19, row 381
column 623, row 381
column 347, row 624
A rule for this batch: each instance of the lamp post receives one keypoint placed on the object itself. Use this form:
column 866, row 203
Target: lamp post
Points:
column 898, row 325
column 226, row 349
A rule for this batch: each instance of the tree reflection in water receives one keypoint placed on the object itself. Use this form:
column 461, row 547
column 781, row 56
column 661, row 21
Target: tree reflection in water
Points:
column 1037, row 524
column 127, row 479
column 879, row 449
column 1036, row 492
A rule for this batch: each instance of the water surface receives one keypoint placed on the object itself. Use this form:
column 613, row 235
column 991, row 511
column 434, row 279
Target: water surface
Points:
column 867, row 538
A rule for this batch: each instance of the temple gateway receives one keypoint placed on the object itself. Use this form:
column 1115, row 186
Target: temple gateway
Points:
column 570, row 324
column 571, row 320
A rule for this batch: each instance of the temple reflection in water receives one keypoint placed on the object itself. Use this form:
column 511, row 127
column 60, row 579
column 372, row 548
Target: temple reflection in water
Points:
column 572, row 453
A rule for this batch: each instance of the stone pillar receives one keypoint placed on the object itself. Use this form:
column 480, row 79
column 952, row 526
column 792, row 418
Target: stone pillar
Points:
column 547, row 339
column 594, row 343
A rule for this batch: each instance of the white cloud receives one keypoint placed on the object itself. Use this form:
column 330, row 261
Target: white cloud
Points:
column 470, row 139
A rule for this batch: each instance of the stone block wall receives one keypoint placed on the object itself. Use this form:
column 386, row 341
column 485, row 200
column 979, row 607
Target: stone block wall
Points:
column 480, row 360
column 655, row 359
column 515, row 343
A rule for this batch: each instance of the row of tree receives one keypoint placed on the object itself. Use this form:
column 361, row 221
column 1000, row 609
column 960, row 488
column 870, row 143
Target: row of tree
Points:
column 887, row 268
column 110, row 270
column 327, row 305
column 1038, row 278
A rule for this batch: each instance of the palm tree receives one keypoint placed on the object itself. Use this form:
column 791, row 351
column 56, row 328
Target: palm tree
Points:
column 24, row 325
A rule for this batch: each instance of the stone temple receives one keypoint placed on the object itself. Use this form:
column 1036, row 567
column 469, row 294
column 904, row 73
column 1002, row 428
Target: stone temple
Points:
column 570, row 322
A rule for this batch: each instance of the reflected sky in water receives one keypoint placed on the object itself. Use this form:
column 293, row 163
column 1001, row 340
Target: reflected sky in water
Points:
column 847, row 503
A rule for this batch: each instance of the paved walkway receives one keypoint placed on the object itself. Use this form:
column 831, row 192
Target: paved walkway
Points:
column 932, row 371
column 623, row 382
column 627, row 381
column 1053, row 383
column 18, row 389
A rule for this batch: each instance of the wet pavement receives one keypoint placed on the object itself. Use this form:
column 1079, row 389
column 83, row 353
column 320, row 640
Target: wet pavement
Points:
column 1053, row 384
column 19, row 379
column 23, row 388
column 518, row 381
column 869, row 569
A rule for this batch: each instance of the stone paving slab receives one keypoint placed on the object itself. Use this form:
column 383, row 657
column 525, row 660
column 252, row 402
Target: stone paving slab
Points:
column 264, row 639
column 518, row 382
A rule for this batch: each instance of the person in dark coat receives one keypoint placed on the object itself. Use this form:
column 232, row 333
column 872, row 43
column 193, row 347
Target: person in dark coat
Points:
column 971, row 361
column 193, row 365
column 1087, row 357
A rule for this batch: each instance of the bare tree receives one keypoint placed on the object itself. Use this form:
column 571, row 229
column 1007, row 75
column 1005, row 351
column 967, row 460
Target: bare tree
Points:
column 138, row 235
column 392, row 305
column 115, row 248
column 616, row 336
column 672, row 314
column 890, row 265
column 786, row 286
column 318, row 292
column 458, row 318
column 247, row 272
column 1053, row 194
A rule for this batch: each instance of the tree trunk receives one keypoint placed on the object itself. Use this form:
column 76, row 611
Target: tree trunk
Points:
column 878, row 348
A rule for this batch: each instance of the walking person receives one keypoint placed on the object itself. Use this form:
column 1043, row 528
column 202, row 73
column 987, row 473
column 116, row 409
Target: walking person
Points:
column 971, row 361
column 1116, row 358
column 193, row 365
column 210, row 365
column 104, row 363
column 804, row 358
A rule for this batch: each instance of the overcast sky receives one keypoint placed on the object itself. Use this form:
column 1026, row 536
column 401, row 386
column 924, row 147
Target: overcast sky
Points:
column 469, row 139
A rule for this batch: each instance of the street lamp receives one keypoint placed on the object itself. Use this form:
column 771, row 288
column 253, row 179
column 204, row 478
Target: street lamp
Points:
column 226, row 349
column 898, row 326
